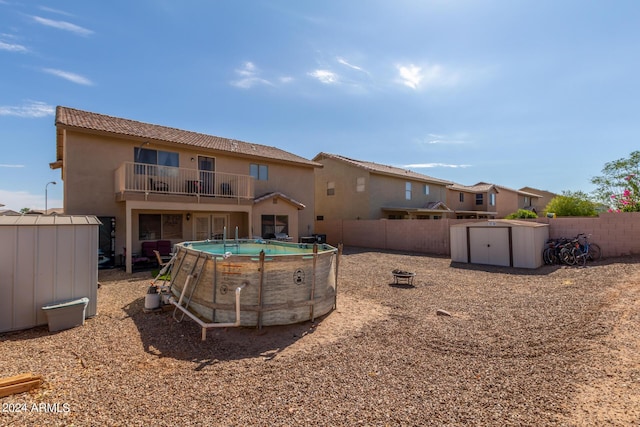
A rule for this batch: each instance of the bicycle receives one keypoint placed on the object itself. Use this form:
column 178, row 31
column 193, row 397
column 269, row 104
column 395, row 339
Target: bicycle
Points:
column 592, row 250
column 574, row 251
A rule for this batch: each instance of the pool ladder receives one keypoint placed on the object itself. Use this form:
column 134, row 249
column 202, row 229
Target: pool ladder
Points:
column 184, row 308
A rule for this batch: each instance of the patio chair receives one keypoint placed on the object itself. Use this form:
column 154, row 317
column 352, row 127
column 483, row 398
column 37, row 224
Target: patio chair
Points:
column 161, row 262
column 156, row 185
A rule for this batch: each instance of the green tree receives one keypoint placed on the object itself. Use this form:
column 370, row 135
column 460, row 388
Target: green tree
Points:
column 619, row 186
column 25, row 210
column 521, row 213
column 572, row 203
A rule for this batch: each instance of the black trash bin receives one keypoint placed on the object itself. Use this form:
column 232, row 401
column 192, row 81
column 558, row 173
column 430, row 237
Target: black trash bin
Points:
column 320, row 238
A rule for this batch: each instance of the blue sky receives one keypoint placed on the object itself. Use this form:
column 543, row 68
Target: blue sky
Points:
column 518, row 93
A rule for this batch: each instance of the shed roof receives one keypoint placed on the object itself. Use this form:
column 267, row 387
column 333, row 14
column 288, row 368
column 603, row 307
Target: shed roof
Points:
column 70, row 118
column 49, row 220
column 502, row 223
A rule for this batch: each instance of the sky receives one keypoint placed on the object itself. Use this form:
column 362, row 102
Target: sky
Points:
column 538, row 93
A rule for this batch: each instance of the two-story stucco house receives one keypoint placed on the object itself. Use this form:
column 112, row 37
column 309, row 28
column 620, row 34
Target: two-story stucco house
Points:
column 354, row 189
column 484, row 200
column 545, row 197
column 151, row 182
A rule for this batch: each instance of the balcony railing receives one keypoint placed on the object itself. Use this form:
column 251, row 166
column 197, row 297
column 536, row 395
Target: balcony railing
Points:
column 145, row 178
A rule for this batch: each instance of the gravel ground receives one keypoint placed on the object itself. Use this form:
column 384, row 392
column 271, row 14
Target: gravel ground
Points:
column 550, row 347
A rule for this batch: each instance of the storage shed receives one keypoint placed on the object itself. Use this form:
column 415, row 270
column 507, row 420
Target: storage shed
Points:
column 45, row 260
column 507, row 243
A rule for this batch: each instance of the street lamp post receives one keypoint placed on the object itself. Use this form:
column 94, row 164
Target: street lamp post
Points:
column 45, row 195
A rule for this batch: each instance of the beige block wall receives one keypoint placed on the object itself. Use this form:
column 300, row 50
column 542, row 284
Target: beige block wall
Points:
column 618, row 234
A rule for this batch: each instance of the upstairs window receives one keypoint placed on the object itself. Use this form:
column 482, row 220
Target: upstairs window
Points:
column 426, row 189
column 492, row 199
column 407, row 190
column 331, row 188
column 360, row 184
column 461, row 197
column 160, row 158
column 259, row 172
column 479, row 199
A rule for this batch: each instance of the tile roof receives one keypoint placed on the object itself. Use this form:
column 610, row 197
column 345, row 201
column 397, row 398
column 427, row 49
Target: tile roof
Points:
column 483, row 187
column 280, row 195
column 383, row 169
column 71, row 118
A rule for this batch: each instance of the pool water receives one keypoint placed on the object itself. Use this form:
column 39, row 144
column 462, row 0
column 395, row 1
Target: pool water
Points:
column 253, row 247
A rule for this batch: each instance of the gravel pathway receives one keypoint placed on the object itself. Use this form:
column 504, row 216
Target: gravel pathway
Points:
column 550, row 347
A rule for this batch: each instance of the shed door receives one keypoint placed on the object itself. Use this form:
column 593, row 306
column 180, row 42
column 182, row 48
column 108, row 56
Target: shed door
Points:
column 489, row 245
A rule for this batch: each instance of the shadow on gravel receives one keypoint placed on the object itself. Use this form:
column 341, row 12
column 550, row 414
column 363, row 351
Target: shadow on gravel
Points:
column 162, row 336
column 402, row 285
column 544, row 269
column 540, row 271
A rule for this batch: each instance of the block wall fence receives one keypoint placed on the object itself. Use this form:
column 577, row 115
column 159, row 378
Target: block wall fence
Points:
column 618, row 234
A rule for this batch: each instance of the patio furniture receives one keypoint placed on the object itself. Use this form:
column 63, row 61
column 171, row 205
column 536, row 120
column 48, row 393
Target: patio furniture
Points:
column 161, row 262
column 163, row 247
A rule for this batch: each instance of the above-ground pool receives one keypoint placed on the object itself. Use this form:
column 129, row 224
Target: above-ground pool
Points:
column 277, row 283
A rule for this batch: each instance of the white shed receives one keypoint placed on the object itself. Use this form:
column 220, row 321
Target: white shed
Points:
column 509, row 243
column 44, row 260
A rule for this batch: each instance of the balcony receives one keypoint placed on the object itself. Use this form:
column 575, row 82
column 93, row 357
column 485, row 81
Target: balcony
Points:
column 145, row 179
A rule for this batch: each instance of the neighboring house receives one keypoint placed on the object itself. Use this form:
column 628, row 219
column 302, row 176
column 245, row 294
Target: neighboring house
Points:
column 543, row 201
column 148, row 182
column 484, row 200
column 474, row 201
column 7, row 211
column 355, row 189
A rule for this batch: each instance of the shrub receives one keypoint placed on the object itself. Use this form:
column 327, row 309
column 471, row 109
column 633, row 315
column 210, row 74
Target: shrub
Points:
column 522, row 214
column 572, row 204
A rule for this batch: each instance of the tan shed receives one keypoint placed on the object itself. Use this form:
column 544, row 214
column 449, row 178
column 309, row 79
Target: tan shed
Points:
column 45, row 260
column 509, row 243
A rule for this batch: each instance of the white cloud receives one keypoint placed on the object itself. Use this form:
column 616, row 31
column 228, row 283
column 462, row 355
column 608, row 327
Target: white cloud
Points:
column 11, row 166
column 249, row 76
column 325, row 76
column 72, row 77
column 428, row 76
column 410, row 75
column 12, row 47
column 63, row 25
column 440, row 139
column 32, row 109
column 434, row 165
column 58, row 11
column 347, row 64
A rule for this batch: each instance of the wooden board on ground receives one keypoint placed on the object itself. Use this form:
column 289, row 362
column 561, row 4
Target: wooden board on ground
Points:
column 19, row 384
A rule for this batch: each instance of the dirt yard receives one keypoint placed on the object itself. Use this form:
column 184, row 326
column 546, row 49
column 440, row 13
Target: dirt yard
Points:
column 550, row 347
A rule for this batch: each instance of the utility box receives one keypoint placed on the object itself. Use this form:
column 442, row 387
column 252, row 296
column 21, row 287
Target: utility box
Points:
column 66, row 314
column 45, row 259
column 508, row 243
